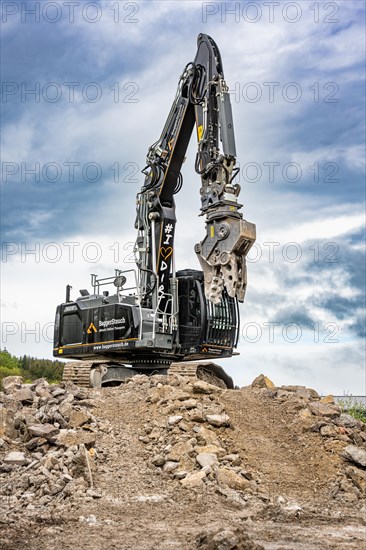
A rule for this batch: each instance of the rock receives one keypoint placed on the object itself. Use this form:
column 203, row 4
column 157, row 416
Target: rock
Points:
column 16, row 457
column 78, row 418
column 174, row 420
column 158, row 460
column 180, row 474
column 184, row 426
column 170, row 466
column 179, row 450
column 347, row 421
column 189, row 404
column 233, row 480
column 358, row 477
column 35, row 442
column 43, row 430
column 207, row 459
column 194, row 480
column 69, row 438
column 195, row 415
column 263, row 382
column 328, row 431
column 58, row 391
column 93, row 493
column 305, row 414
column 202, row 387
column 218, row 420
column 324, row 409
column 214, row 449
column 11, row 383
column 282, row 394
column 226, row 539
column 234, row 459
column 355, row 454
column 302, row 391
column 357, row 439
column 24, row 395
column 327, row 399
column 206, row 436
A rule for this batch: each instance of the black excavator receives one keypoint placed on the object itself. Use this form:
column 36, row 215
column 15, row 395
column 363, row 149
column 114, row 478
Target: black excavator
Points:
column 157, row 319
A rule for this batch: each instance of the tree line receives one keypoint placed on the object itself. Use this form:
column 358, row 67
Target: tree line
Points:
column 30, row 368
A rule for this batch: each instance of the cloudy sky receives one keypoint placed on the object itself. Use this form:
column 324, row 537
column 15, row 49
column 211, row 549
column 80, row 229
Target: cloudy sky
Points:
column 86, row 89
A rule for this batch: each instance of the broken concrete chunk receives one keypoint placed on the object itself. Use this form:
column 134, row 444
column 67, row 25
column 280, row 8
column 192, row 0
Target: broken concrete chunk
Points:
column 355, row 454
column 204, row 387
column 78, row 418
column 324, row 409
column 232, row 480
column 173, row 420
column 24, row 395
column 194, row 480
column 207, row 460
column 16, row 457
column 218, row 420
column 328, row 431
column 158, row 460
column 43, row 430
column 11, row 383
column 170, row 466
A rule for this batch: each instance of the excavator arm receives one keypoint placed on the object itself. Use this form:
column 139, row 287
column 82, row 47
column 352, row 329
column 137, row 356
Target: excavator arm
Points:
column 202, row 99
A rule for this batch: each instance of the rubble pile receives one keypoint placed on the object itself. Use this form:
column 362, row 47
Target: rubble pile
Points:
column 197, row 458
column 47, row 439
column 192, row 441
column 189, row 441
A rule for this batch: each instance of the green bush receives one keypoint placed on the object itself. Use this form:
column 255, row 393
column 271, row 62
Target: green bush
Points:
column 357, row 410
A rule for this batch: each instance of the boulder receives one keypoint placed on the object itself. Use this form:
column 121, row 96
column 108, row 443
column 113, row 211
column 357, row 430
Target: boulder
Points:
column 347, row 421
column 11, row 383
column 324, row 409
column 24, row 395
column 355, row 454
column 218, row 420
column 263, row 382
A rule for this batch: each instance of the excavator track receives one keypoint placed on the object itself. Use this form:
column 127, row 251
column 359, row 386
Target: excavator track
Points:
column 79, row 372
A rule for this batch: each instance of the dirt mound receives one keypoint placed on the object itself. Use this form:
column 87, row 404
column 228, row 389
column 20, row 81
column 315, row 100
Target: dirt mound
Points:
column 166, row 462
